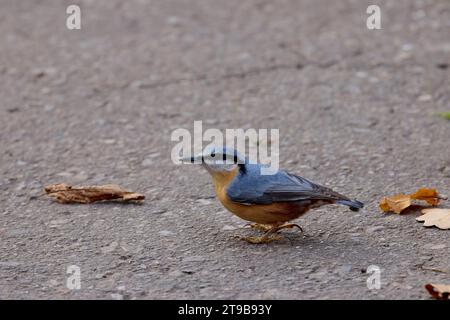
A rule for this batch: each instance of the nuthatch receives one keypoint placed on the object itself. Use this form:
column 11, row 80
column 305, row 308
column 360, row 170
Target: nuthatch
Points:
column 269, row 200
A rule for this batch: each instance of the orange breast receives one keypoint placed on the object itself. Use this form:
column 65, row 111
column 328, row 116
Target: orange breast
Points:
column 266, row 214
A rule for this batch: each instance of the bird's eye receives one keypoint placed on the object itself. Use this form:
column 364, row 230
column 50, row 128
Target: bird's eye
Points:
column 213, row 154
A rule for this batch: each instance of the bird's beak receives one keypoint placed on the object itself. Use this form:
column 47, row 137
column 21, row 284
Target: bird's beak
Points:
column 196, row 159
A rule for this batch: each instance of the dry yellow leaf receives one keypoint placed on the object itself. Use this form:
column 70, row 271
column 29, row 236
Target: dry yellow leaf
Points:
column 435, row 217
column 438, row 291
column 395, row 203
column 399, row 202
column 64, row 193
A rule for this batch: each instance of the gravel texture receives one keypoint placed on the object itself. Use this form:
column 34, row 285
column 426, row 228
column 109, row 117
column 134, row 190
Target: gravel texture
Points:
column 355, row 108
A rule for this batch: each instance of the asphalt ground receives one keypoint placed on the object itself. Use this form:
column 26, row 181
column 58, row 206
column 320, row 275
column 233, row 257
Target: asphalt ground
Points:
column 355, row 109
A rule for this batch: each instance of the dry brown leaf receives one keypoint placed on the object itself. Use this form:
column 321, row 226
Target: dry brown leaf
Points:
column 438, row 291
column 399, row 202
column 431, row 196
column 435, row 217
column 65, row 193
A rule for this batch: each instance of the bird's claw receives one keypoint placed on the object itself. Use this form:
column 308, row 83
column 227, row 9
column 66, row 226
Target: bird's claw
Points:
column 289, row 226
column 261, row 239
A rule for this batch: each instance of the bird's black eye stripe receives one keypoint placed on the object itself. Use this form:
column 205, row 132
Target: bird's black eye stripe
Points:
column 225, row 157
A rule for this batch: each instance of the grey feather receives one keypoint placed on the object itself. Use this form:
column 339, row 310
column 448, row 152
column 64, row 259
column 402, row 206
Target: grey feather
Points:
column 250, row 187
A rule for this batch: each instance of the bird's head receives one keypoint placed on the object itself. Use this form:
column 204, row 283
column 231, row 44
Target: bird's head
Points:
column 217, row 159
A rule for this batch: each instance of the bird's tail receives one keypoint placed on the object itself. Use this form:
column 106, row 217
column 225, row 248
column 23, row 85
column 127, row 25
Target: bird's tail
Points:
column 354, row 205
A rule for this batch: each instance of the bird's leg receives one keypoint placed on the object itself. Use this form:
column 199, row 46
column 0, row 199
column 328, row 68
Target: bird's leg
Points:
column 271, row 232
column 267, row 237
column 261, row 227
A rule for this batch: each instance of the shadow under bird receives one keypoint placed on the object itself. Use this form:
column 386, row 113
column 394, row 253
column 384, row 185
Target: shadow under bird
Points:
column 270, row 201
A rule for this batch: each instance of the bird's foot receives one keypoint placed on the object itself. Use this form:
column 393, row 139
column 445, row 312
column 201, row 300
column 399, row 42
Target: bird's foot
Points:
column 270, row 232
column 261, row 227
column 262, row 239
column 288, row 226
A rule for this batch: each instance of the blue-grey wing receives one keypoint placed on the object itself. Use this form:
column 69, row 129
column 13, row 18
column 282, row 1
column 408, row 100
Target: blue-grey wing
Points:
column 250, row 187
